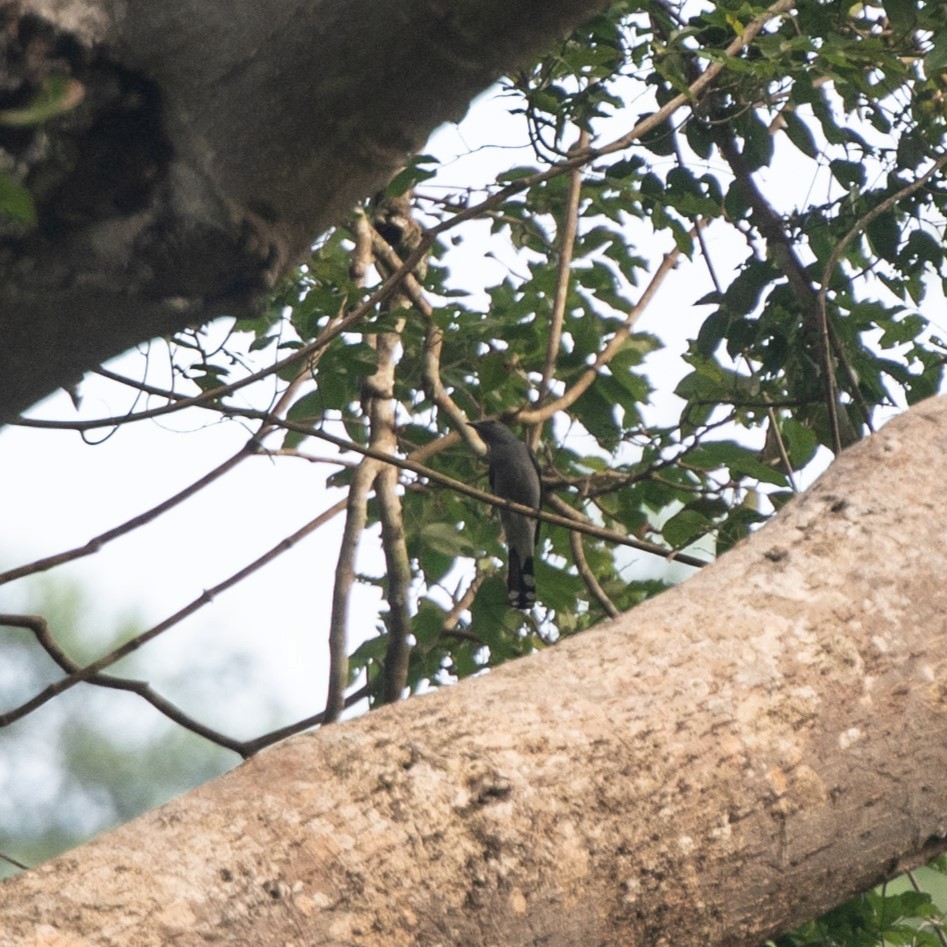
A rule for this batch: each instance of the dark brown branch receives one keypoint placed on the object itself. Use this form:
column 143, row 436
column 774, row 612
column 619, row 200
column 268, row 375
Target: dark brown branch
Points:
column 12, row 861
column 819, row 339
column 245, row 748
column 249, row 747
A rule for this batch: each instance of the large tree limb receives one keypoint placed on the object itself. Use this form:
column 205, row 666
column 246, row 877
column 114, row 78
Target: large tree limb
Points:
column 722, row 762
column 210, row 144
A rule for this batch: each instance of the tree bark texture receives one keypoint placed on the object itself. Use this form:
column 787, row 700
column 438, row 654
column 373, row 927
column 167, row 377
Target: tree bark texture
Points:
column 717, row 765
column 211, row 143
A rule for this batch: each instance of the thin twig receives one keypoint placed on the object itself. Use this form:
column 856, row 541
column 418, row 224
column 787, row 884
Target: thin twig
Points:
column 781, row 448
column 566, row 245
column 40, row 629
column 95, row 544
column 646, row 125
column 133, row 644
column 244, row 748
column 542, row 413
column 208, row 398
column 302, row 455
column 588, row 577
column 249, row 747
column 463, row 603
column 14, row 862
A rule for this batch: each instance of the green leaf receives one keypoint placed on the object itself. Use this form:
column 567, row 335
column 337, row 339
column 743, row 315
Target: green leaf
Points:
column 447, row 539
column 700, row 138
column 799, row 134
column 801, row 442
column 428, row 623
column 16, row 202
column 420, row 168
column 739, row 460
column 850, row 174
column 660, row 140
column 935, row 62
column 901, row 13
column 310, row 407
column 684, row 528
column 743, row 294
column 884, row 235
column 56, row 95
column 516, row 174
column 758, row 142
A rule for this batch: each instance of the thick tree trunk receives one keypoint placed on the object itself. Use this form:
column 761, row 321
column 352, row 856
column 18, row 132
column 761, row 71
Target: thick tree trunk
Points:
column 211, row 143
column 719, row 764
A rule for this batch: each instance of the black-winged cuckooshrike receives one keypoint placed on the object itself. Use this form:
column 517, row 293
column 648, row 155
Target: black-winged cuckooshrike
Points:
column 514, row 475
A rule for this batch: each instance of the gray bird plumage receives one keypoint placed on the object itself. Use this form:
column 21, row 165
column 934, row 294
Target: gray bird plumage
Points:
column 514, row 475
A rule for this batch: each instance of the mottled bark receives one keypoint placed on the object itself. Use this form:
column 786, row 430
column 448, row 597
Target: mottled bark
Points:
column 716, row 765
column 210, row 145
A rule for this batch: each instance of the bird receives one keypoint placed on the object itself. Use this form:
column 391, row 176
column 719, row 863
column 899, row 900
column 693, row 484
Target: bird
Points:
column 514, row 475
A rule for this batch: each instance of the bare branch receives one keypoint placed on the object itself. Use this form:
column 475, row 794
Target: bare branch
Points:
column 133, row 644
column 398, row 574
column 566, row 242
column 245, row 748
column 250, row 747
column 588, row 577
column 356, row 516
column 434, row 340
column 485, row 497
column 94, row 545
column 12, row 861
column 587, row 378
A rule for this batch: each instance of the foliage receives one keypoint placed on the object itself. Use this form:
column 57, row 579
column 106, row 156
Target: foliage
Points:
column 891, row 914
column 813, row 333
column 661, row 136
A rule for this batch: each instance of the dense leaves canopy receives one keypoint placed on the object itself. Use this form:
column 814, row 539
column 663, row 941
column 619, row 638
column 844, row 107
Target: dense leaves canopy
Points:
column 817, row 328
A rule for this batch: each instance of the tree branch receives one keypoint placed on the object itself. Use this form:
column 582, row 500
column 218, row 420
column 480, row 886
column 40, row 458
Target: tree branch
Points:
column 566, row 241
column 572, row 394
column 95, row 544
column 133, row 644
column 723, row 762
column 588, row 576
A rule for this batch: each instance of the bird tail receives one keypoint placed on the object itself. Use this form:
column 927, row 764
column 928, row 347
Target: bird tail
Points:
column 521, row 582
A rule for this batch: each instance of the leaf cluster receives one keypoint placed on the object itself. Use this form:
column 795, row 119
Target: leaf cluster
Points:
column 802, row 342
